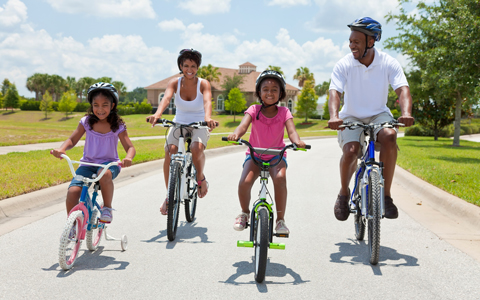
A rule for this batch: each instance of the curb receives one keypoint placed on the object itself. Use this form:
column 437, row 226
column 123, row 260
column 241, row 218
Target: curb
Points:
column 438, row 199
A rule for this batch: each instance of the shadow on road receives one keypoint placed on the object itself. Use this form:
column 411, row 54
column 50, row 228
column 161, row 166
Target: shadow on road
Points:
column 359, row 253
column 273, row 270
column 90, row 261
column 185, row 233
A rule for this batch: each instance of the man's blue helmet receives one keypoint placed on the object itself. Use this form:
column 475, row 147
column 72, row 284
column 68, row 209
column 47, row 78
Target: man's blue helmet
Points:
column 368, row 26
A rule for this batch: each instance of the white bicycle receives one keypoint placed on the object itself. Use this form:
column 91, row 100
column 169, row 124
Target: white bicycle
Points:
column 182, row 179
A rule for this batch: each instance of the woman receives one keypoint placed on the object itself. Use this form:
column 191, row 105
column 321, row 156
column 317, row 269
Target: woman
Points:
column 193, row 104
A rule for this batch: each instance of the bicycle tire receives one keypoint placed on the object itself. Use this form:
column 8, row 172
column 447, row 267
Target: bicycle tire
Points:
column 375, row 217
column 173, row 199
column 191, row 202
column 94, row 235
column 261, row 244
column 358, row 219
column 68, row 250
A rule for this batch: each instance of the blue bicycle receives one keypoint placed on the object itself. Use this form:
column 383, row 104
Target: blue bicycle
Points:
column 367, row 201
column 83, row 220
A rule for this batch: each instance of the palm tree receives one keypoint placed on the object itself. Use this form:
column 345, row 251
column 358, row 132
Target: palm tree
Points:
column 322, row 89
column 275, row 68
column 121, row 88
column 209, row 73
column 34, row 84
column 303, row 74
column 83, row 84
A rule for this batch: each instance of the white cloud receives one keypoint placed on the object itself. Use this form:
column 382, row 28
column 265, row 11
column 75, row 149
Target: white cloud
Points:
column 288, row 3
column 106, row 8
column 172, row 25
column 204, row 7
column 13, row 13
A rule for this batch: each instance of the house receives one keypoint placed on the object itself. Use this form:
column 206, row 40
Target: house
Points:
column 156, row 91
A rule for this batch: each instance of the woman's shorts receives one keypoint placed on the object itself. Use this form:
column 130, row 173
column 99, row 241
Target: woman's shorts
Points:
column 274, row 159
column 201, row 135
column 88, row 171
column 356, row 135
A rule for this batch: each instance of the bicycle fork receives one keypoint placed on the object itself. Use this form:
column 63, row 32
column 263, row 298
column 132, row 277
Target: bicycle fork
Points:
column 364, row 186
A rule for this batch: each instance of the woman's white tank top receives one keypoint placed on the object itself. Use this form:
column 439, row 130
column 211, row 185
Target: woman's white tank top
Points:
column 189, row 111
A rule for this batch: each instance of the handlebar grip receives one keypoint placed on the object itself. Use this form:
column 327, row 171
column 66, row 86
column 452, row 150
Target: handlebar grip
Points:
column 224, row 138
column 308, row 147
column 206, row 124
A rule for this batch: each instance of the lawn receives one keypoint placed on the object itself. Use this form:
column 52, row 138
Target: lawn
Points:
column 453, row 169
column 28, row 127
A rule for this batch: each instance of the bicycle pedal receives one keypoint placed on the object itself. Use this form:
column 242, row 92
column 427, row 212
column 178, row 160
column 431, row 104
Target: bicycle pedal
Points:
column 247, row 244
column 281, row 235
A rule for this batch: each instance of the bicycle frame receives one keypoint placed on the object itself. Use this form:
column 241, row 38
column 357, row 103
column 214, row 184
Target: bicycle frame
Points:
column 87, row 204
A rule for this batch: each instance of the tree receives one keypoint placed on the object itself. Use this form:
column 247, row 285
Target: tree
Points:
column 275, row 68
column 82, row 86
column 230, row 83
column 5, row 86
column 236, row 102
column 442, row 42
column 120, row 87
column 138, row 93
column 104, row 79
column 12, row 99
column 35, row 84
column 68, row 102
column 46, row 104
column 303, row 74
column 209, row 73
column 307, row 100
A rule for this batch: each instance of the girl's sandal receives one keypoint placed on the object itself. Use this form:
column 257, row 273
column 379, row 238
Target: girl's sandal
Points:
column 199, row 184
column 164, row 207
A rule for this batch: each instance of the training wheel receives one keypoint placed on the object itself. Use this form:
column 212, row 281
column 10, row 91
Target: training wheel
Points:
column 124, row 242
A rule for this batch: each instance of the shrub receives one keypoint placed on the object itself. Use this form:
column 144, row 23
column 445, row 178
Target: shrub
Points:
column 82, row 107
column 396, row 114
column 30, row 105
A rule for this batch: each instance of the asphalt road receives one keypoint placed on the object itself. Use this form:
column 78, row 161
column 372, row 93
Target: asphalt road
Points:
column 322, row 259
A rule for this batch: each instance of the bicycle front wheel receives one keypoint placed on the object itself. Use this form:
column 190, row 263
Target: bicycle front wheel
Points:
column 70, row 240
column 173, row 199
column 358, row 219
column 261, row 244
column 375, row 215
column 94, row 235
column 191, row 202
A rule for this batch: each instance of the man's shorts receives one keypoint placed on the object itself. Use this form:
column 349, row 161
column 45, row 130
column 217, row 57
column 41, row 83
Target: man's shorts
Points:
column 201, row 135
column 88, row 171
column 356, row 135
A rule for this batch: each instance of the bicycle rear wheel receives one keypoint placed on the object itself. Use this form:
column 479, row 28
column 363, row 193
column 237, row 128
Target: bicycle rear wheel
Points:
column 261, row 244
column 375, row 216
column 173, row 199
column 70, row 240
column 94, row 235
column 191, row 202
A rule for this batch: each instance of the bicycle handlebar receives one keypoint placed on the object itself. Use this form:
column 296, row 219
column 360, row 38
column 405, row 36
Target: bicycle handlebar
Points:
column 105, row 168
column 168, row 123
column 267, row 151
column 389, row 124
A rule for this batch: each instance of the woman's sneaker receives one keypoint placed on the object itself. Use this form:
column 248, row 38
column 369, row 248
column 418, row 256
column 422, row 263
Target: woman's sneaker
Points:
column 241, row 222
column 106, row 216
column 281, row 227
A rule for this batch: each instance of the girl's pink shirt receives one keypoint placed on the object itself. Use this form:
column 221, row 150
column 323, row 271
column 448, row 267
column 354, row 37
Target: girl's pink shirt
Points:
column 268, row 132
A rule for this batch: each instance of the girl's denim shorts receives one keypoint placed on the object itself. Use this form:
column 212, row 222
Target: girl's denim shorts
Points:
column 88, row 171
column 248, row 157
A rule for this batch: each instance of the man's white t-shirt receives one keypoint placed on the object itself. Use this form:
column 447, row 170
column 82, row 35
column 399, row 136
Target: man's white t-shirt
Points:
column 366, row 89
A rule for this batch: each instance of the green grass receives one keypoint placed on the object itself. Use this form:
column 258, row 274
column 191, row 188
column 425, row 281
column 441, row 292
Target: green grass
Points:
column 453, row 169
column 29, row 127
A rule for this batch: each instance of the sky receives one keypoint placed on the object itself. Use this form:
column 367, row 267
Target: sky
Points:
column 137, row 41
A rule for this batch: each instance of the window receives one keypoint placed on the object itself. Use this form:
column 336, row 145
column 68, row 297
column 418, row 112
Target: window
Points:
column 172, row 103
column 160, row 97
column 290, row 105
column 220, row 103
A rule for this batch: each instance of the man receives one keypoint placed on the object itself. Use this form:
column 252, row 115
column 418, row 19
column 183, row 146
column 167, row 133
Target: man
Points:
column 364, row 76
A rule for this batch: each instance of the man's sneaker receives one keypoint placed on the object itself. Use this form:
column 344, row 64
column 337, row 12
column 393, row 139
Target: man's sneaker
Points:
column 281, row 227
column 240, row 222
column 106, row 216
column 341, row 209
column 391, row 211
